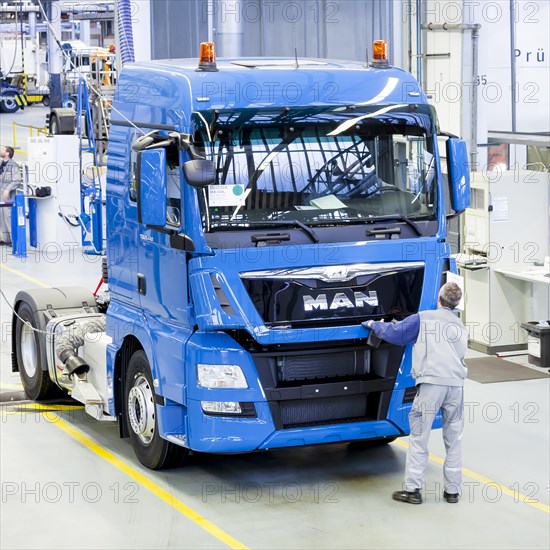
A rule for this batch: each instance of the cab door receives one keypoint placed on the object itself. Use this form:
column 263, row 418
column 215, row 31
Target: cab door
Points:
column 162, row 264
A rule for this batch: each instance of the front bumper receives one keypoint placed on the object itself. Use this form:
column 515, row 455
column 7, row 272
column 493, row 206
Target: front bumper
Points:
column 294, row 399
column 235, row 435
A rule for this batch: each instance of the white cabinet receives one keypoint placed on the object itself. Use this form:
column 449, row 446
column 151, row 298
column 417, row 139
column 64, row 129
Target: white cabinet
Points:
column 506, row 232
column 54, row 162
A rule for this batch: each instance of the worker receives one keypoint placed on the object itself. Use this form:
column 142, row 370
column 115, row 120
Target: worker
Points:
column 10, row 179
column 440, row 340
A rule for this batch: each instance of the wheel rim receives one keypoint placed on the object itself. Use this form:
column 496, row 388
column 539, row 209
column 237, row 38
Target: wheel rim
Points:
column 29, row 353
column 141, row 409
column 9, row 103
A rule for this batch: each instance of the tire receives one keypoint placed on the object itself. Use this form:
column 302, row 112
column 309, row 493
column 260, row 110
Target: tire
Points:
column 46, row 101
column 140, row 411
column 8, row 104
column 54, row 125
column 36, row 381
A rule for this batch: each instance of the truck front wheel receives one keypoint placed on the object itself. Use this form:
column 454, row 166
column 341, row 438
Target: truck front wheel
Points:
column 153, row 451
column 36, row 381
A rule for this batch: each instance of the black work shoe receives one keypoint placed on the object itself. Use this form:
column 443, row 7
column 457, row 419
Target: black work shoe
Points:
column 451, row 498
column 412, row 497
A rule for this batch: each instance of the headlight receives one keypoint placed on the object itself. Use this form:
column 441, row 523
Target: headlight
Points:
column 221, row 376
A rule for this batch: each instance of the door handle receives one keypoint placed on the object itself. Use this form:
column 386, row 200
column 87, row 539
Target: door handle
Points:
column 141, row 284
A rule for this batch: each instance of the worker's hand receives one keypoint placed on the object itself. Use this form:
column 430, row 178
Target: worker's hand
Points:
column 367, row 324
column 5, row 197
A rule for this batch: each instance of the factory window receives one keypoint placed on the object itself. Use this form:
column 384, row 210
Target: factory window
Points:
column 477, row 199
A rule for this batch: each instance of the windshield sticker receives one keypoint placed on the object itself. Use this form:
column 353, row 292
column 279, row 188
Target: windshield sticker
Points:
column 226, row 195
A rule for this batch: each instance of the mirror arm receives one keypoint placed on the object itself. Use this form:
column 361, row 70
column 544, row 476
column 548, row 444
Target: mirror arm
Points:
column 162, row 229
column 147, row 141
column 179, row 241
column 160, row 144
column 193, row 153
column 143, row 141
column 185, row 143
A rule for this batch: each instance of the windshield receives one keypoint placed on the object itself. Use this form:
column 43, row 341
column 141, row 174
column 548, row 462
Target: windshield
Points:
column 318, row 166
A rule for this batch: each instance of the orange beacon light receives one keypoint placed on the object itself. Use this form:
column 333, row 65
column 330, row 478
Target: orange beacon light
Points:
column 207, row 57
column 380, row 56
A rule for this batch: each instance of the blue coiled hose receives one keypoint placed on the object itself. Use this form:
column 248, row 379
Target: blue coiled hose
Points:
column 125, row 33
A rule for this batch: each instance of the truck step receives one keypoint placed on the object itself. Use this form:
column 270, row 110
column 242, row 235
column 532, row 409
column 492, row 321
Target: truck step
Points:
column 84, row 392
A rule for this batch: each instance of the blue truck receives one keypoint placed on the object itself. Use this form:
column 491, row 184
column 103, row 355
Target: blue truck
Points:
column 259, row 210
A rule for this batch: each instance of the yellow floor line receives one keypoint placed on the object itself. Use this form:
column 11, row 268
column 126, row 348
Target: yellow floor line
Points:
column 487, row 481
column 8, row 408
column 28, row 277
column 122, row 466
column 204, row 523
column 147, row 483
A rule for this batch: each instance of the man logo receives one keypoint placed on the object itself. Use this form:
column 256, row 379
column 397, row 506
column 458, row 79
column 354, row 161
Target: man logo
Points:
column 336, row 273
column 340, row 300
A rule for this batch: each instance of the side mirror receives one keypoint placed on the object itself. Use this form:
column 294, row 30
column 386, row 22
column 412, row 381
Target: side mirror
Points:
column 199, row 173
column 459, row 174
column 151, row 183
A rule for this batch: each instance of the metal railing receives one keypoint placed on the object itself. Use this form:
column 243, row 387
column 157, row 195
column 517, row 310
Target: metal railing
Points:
column 39, row 131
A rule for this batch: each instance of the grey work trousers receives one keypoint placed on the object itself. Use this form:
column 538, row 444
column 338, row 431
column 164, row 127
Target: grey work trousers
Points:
column 429, row 399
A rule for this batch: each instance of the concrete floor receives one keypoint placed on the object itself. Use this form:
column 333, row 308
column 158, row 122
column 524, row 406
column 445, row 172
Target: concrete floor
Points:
column 70, row 482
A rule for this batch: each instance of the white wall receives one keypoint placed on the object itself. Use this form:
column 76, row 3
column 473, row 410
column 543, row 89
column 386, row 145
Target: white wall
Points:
column 141, row 26
column 532, row 38
column 449, row 80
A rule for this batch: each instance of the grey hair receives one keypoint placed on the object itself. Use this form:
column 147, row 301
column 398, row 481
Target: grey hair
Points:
column 450, row 295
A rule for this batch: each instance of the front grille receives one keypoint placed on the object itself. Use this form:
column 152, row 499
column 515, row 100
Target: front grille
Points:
column 326, row 410
column 317, row 366
column 328, row 385
column 316, row 303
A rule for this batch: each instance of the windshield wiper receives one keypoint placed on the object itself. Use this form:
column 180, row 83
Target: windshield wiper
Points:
column 283, row 223
column 400, row 217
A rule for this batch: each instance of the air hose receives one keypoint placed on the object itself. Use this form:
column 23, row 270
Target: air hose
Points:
column 67, row 344
column 126, row 37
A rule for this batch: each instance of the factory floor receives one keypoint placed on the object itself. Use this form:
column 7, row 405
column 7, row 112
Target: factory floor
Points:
column 68, row 481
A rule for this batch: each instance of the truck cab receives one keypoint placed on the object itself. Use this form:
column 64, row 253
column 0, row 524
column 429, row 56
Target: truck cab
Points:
column 259, row 211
